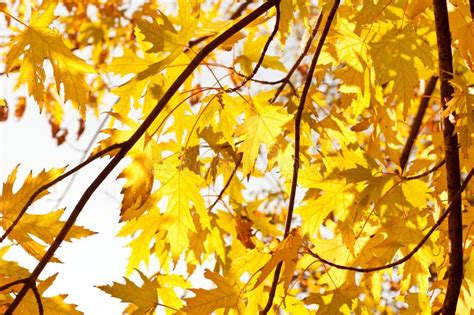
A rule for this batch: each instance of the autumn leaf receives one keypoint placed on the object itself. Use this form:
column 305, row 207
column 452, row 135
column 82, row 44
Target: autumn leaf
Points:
column 262, row 126
column 144, row 297
column 38, row 43
column 42, row 226
column 286, row 252
column 226, row 295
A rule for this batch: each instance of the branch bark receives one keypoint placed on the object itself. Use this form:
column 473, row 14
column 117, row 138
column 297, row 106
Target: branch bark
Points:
column 443, row 37
column 299, row 115
column 206, row 50
column 415, row 126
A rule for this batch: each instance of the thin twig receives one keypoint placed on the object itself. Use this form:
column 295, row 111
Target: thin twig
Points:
column 263, row 53
column 432, row 170
column 195, row 62
column 54, row 182
column 83, row 158
column 227, row 184
column 413, row 251
column 286, row 79
column 415, row 126
column 298, row 117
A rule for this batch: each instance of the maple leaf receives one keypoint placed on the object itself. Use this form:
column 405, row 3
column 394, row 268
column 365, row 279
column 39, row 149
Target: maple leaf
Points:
column 144, row 297
column 181, row 186
column 263, row 126
column 51, row 304
column 462, row 103
column 39, row 43
column 43, row 226
column 462, row 30
column 226, row 295
column 287, row 252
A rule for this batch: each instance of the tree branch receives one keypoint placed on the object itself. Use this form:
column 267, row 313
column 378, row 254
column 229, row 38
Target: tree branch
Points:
column 264, row 51
column 54, row 182
column 195, row 62
column 450, row 208
column 38, row 300
column 453, row 171
column 432, row 170
column 286, row 79
column 416, row 124
column 298, row 117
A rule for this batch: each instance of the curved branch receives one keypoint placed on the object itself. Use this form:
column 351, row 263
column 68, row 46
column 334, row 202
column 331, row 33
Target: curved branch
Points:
column 432, row 170
column 286, row 79
column 54, row 182
column 451, row 206
column 38, row 300
column 298, row 117
column 264, row 51
column 416, row 124
column 195, row 62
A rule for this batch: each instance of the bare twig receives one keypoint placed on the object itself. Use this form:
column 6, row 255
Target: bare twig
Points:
column 412, row 252
column 415, row 126
column 195, row 62
column 298, row 117
column 54, row 182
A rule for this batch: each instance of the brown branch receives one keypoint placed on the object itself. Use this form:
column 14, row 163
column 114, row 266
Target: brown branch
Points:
column 432, row 170
column 8, row 285
column 195, row 62
column 240, row 9
column 416, row 124
column 227, row 184
column 298, row 117
column 471, row 6
column 286, row 79
column 453, row 171
column 38, row 299
column 264, row 51
column 54, row 182
column 443, row 216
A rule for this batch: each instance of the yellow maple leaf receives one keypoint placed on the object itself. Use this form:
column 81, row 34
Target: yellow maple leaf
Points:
column 43, row 226
column 287, row 252
column 181, row 186
column 462, row 103
column 263, row 126
column 226, row 295
column 144, row 297
column 462, row 30
column 38, row 43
